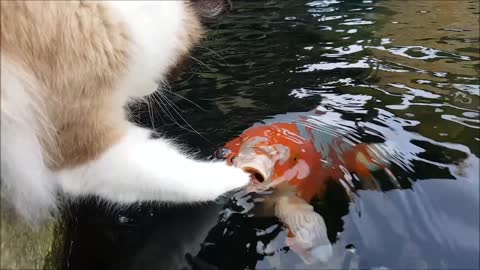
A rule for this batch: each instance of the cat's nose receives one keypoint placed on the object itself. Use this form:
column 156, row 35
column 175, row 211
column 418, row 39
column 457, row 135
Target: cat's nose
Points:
column 210, row 9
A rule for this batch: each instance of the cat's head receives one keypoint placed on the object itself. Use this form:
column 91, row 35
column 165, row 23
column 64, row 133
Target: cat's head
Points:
column 81, row 61
column 163, row 34
column 204, row 11
column 211, row 9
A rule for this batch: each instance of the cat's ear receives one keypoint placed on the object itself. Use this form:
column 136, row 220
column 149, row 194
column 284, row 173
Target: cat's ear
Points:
column 210, row 9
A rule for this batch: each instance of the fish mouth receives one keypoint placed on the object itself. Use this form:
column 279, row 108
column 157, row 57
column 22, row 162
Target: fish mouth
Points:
column 260, row 167
column 255, row 174
column 254, row 160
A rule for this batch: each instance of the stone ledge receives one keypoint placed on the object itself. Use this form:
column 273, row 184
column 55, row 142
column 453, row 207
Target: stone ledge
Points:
column 22, row 247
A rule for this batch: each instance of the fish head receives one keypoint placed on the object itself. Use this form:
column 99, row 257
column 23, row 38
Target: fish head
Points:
column 273, row 154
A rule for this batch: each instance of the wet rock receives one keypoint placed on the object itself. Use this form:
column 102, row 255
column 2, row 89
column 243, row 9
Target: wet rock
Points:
column 22, row 247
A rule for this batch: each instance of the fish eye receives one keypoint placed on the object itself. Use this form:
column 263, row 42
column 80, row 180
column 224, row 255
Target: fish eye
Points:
column 222, row 153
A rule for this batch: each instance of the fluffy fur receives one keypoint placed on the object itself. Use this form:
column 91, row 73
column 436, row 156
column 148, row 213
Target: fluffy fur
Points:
column 67, row 70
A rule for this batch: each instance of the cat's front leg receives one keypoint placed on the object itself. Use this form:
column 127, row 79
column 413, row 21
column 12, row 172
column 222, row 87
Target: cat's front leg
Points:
column 142, row 169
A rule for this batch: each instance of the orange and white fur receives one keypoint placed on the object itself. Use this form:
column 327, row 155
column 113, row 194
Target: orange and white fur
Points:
column 68, row 68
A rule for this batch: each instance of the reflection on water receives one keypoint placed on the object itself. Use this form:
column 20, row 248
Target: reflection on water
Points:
column 400, row 72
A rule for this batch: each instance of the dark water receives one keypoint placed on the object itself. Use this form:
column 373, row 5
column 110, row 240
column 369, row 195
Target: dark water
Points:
column 401, row 72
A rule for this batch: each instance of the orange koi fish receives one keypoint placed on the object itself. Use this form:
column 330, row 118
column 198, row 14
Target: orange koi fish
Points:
column 298, row 163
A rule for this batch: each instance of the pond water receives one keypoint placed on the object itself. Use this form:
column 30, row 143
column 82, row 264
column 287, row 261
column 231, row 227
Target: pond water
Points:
column 402, row 72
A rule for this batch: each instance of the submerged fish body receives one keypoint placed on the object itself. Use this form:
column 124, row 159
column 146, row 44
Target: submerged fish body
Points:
column 297, row 161
column 280, row 155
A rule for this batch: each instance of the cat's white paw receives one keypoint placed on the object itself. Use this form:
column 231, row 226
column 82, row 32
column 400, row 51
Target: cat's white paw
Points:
column 224, row 178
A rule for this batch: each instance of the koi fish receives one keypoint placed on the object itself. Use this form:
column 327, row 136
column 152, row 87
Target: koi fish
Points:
column 297, row 162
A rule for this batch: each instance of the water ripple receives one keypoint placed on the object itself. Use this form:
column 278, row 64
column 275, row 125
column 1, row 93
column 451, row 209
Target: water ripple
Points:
column 421, row 53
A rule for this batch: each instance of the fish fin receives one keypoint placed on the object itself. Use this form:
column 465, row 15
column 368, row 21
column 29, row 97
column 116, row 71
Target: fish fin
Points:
column 391, row 177
column 307, row 229
column 368, row 180
column 375, row 158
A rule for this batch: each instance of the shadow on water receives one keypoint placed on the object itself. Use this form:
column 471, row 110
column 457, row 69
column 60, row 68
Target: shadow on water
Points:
column 401, row 72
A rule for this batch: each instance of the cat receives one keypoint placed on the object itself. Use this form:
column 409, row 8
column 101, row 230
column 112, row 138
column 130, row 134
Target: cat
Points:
column 68, row 68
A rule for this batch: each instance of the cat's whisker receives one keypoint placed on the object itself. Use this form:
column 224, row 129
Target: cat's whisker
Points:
column 165, row 110
column 201, row 63
column 155, row 108
column 169, row 102
column 217, row 54
column 182, row 97
column 189, row 78
column 149, row 108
